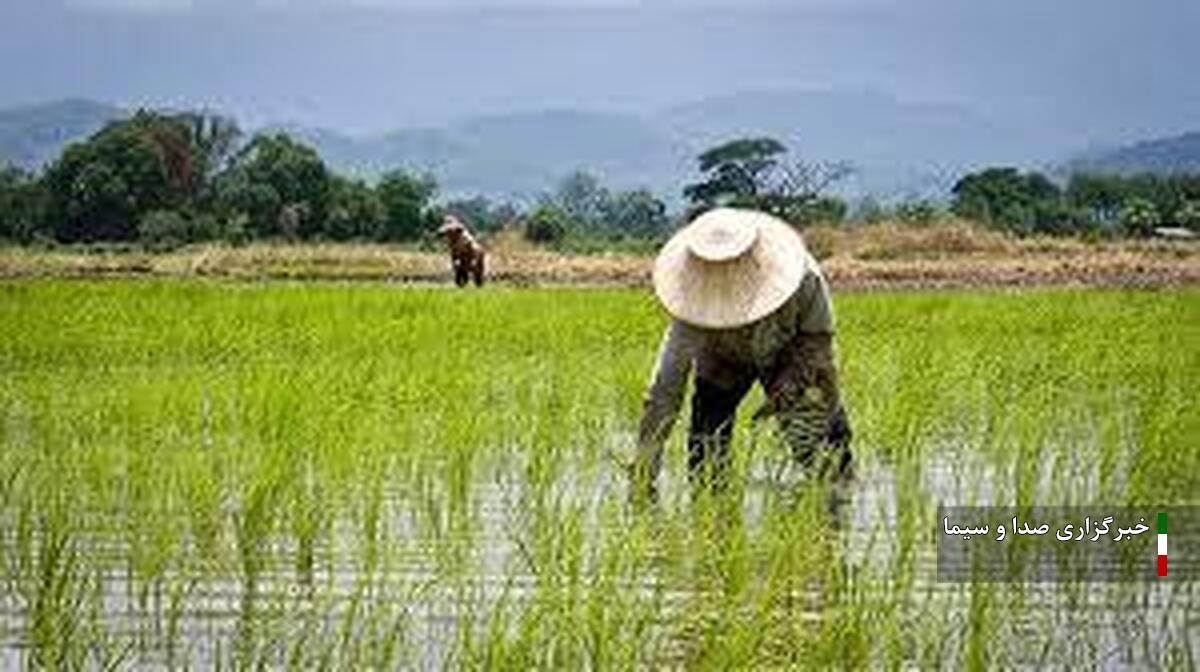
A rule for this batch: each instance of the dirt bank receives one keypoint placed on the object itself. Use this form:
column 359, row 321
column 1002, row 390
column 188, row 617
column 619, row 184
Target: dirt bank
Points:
column 877, row 258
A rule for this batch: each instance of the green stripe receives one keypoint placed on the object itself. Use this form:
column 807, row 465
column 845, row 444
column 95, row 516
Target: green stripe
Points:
column 1162, row 522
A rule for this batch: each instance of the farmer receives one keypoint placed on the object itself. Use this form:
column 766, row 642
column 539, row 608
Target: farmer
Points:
column 748, row 303
column 466, row 255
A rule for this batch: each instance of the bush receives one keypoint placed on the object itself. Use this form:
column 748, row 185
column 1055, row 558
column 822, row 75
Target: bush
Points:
column 919, row 212
column 1139, row 217
column 165, row 229
column 821, row 210
column 547, row 224
column 1188, row 215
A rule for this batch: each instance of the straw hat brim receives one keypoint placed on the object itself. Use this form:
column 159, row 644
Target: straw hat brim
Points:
column 736, row 291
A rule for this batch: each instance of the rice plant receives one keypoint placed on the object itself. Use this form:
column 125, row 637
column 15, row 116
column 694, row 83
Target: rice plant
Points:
column 220, row 474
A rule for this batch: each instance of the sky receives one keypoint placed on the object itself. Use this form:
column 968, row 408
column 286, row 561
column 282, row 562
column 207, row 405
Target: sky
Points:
column 1099, row 69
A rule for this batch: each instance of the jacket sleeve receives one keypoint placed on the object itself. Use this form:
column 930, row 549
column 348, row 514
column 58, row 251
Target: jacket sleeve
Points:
column 815, row 314
column 815, row 356
column 660, row 406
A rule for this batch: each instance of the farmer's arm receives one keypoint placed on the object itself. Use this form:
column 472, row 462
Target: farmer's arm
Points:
column 661, row 404
column 815, row 332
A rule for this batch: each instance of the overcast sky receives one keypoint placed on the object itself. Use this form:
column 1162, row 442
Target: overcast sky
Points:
column 1103, row 68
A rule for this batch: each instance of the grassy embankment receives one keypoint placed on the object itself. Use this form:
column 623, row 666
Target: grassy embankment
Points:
column 876, row 257
column 362, row 476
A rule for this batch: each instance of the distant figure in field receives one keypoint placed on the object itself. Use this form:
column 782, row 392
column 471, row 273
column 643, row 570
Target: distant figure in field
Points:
column 466, row 255
column 748, row 305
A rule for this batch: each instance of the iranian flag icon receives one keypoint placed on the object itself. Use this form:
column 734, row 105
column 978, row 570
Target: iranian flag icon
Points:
column 1162, row 543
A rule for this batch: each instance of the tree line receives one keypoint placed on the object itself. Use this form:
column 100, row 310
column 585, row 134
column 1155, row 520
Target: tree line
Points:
column 164, row 179
column 1104, row 204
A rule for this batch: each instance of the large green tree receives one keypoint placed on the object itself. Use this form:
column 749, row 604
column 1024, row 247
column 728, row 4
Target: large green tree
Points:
column 355, row 212
column 1007, row 198
column 753, row 173
column 637, row 213
column 735, row 172
column 214, row 140
column 21, row 204
column 100, row 188
column 279, row 185
column 406, row 198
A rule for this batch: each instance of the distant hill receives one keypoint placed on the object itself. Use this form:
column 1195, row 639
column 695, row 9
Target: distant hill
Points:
column 1176, row 154
column 898, row 147
column 518, row 155
column 32, row 135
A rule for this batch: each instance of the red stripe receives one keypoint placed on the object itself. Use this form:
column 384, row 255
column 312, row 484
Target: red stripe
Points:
column 1162, row 565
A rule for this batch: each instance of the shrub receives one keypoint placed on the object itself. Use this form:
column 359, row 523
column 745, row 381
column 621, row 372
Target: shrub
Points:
column 165, row 229
column 919, row 212
column 547, row 223
column 1139, row 217
column 1188, row 215
column 822, row 210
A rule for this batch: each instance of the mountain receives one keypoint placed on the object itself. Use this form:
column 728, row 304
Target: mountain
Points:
column 899, row 148
column 31, row 135
column 1175, row 154
column 516, row 155
column 895, row 146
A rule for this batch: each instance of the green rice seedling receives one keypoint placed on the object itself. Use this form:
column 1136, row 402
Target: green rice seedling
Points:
column 219, row 474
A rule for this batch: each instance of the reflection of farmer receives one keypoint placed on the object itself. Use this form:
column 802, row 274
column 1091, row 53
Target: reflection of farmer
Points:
column 466, row 255
column 748, row 304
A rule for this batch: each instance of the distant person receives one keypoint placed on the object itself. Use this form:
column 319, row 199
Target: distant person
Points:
column 466, row 255
column 748, row 303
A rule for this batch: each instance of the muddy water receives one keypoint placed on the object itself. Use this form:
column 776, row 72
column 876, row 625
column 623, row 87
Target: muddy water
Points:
column 209, row 615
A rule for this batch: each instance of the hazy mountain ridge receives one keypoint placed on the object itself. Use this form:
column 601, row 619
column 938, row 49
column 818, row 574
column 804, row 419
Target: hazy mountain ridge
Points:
column 1179, row 153
column 31, row 135
column 899, row 148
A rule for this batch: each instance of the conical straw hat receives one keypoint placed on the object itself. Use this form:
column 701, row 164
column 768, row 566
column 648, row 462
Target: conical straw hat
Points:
column 730, row 267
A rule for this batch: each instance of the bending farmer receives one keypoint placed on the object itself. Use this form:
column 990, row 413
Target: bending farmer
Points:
column 748, row 303
column 466, row 255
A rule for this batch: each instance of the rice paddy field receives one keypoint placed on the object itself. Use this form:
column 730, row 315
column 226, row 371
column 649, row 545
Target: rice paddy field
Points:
column 214, row 474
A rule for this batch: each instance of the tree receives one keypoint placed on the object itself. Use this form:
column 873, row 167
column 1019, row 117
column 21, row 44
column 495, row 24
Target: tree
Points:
column 254, row 205
column 1188, row 215
column 279, row 184
column 751, row 173
column 213, row 140
column 547, row 223
column 735, row 172
column 585, row 201
column 99, row 188
column 20, row 205
column 800, row 183
column 405, row 198
column 637, row 213
column 822, row 210
column 355, row 212
column 164, row 229
column 1107, row 198
column 480, row 214
column 1100, row 195
column 1139, row 216
column 1006, row 197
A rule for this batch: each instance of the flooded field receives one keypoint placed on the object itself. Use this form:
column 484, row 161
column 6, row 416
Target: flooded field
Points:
column 312, row 475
